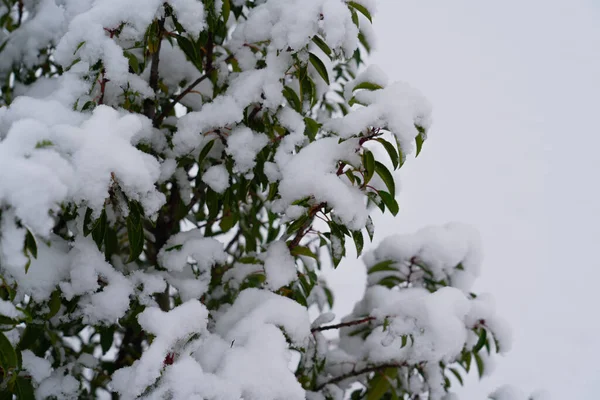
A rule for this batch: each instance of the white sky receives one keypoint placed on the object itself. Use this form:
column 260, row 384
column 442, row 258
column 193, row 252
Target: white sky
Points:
column 514, row 151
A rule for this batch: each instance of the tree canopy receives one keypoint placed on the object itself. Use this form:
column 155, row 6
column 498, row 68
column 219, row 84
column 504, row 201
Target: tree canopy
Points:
column 174, row 177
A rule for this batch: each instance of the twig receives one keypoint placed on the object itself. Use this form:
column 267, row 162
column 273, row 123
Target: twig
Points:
column 159, row 118
column 302, row 231
column 208, row 67
column 342, row 324
column 373, row 368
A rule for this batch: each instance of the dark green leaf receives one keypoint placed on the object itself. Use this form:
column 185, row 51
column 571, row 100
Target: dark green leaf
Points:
column 420, row 139
column 31, row 334
column 8, row 357
column 479, row 363
column 382, row 266
column 389, row 201
column 370, row 228
column 359, row 242
column 205, row 150
column 99, row 230
column 322, row 45
column 303, row 251
column 292, row 98
column 135, row 232
column 54, row 304
column 319, row 66
column 457, row 375
column 367, row 85
column 24, row 389
column 106, row 338
column 386, row 176
column 482, row 340
column 369, row 164
column 467, row 361
column 226, row 10
column 30, row 244
column 361, row 9
column 394, row 156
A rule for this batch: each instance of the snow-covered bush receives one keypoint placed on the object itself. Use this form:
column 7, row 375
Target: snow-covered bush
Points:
column 174, row 174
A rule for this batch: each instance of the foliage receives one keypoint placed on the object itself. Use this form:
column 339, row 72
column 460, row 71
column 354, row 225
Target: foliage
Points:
column 175, row 176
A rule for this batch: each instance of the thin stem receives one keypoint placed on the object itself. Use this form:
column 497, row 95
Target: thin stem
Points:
column 342, row 324
column 366, row 370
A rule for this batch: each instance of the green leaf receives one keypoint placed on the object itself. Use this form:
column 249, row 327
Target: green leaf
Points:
column 292, row 98
column 189, row 49
column 54, row 304
column 30, row 244
column 99, row 230
column 312, row 128
column 389, row 201
column 404, row 340
column 135, row 232
column 420, row 139
column 386, row 176
column 482, row 340
column 479, row 363
column 87, row 220
column 319, row 66
column 303, row 251
column 106, row 338
column 382, row 266
column 368, row 86
column 359, row 242
column 205, row 150
column 31, row 334
column 8, row 357
column 42, row 144
column 134, row 63
column 381, row 383
column 378, row 387
column 467, row 361
column 369, row 164
column 322, row 45
column 391, row 150
column 361, row 9
column 228, row 221
column 355, row 20
column 457, row 375
column 226, row 10
column 24, row 389
column 370, row 228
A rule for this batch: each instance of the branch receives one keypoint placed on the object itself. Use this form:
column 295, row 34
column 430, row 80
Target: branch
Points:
column 208, row 67
column 302, row 231
column 159, row 119
column 342, row 324
column 366, row 370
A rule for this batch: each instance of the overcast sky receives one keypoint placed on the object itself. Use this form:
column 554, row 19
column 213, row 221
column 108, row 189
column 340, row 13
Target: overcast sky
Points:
column 514, row 150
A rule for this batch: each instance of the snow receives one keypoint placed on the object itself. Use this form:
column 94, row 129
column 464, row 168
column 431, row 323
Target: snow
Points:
column 39, row 368
column 217, row 178
column 280, row 266
column 312, row 172
column 244, row 145
column 213, row 340
column 168, row 328
column 397, row 108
